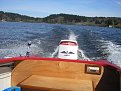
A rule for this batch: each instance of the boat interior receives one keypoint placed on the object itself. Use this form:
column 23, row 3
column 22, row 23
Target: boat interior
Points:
column 54, row 74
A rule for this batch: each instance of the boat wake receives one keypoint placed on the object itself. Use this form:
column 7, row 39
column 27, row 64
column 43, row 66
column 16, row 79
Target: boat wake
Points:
column 72, row 36
column 81, row 54
column 94, row 43
column 114, row 52
column 55, row 53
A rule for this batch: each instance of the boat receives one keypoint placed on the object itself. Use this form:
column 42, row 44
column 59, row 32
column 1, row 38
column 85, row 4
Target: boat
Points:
column 30, row 73
column 110, row 26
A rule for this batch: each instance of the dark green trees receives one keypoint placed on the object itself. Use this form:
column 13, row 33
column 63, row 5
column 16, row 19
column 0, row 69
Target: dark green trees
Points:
column 63, row 19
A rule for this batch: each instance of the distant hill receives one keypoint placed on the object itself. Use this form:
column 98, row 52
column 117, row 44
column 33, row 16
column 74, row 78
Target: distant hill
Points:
column 83, row 20
column 63, row 19
column 14, row 17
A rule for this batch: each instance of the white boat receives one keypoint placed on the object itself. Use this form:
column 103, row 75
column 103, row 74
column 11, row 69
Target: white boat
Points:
column 110, row 26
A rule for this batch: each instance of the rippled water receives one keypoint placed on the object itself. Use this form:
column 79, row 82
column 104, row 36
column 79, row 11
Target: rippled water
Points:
column 96, row 43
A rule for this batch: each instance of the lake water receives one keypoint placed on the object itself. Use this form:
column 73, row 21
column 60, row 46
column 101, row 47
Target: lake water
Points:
column 95, row 43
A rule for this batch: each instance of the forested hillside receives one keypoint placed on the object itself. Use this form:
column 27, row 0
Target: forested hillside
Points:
column 63, row 19
column 82, row 20
column 14, row 17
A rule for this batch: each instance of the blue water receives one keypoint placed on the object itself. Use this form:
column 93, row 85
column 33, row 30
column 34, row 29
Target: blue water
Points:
column 96, row 43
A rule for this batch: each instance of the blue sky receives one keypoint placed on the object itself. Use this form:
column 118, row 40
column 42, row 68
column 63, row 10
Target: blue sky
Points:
column 42, row 8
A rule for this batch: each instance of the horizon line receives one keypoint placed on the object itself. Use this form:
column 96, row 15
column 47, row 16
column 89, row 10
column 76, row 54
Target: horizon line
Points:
column 58, row 14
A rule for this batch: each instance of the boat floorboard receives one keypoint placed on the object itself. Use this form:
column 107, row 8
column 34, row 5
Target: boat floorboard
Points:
column 56, row 84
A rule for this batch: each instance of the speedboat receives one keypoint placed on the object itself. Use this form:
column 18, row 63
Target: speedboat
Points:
column 65, row 73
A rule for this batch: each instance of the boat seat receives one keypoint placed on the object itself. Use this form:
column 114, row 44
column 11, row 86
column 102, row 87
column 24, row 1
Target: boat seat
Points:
column 56, row 84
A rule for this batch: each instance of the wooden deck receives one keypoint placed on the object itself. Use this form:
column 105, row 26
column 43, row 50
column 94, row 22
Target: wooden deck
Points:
column 54, row 75
column 56, row 84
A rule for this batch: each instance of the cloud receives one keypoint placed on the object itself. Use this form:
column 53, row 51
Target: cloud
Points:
column 118, row 2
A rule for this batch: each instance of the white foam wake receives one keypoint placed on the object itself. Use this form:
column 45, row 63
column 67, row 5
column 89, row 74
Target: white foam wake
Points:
column 82, row 56
column 20, row 50
column 114, row 52
column 72, row 36
column 54, row 54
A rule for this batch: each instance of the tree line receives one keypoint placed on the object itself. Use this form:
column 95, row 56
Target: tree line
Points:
column 14, row 17
column 63, row 19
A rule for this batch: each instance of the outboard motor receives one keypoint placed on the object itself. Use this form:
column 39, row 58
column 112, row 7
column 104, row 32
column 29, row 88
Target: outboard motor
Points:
column 68, row 49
